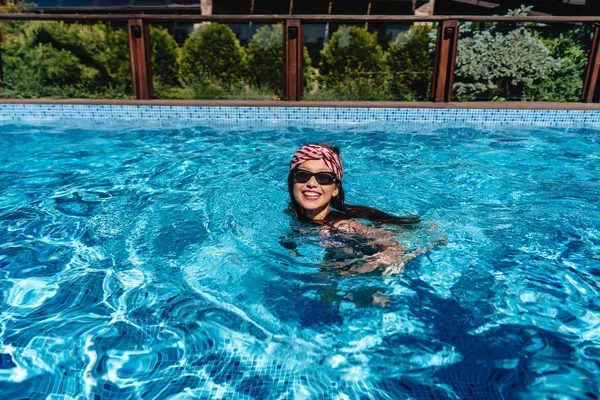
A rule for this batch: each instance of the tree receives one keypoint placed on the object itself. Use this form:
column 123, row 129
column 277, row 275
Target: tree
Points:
column 352, row 53
column 212, row 53
column 164, row 56
column 501, row 64
column 12, row 6
column 411, row 64
column 566, row 82
column 265, row 60
column 496, row 64
column 59, row 59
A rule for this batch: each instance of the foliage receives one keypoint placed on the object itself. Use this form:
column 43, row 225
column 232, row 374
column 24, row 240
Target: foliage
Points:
column 411, row 64
column 116, row 57
column 361, row 88
column 212, row 90
column 65, row 60
column 12, row 6
column 522, row 11
column 309, row 72
column 352, row 53
column 520, row 63
column 57, row 59
column 212, row 53
column 265, row 60
column 164, row 56
column 29, row 89
column 42, row 57
column 501, row 65
column 565, row 83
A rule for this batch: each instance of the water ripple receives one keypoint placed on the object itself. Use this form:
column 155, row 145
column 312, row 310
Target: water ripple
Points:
column 162, row 264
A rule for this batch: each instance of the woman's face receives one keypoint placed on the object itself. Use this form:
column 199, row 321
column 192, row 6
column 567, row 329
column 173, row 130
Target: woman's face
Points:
column 313, row 197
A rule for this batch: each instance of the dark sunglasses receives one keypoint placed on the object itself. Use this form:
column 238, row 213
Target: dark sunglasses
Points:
column 323, row 178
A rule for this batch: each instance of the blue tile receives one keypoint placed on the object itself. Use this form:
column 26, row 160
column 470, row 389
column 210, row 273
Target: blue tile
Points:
column 176, row 115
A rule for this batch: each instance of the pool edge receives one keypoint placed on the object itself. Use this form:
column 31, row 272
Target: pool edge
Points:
column 315, row 104
column 173, row 115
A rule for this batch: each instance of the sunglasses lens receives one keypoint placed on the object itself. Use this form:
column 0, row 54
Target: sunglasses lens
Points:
column 302, row 176
column 324, row 178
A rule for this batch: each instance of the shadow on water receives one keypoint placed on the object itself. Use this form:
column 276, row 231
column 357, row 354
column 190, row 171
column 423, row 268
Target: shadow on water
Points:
column 501, row 362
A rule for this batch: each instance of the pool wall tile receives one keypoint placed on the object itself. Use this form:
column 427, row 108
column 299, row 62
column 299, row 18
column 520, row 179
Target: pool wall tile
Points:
column 59, row 114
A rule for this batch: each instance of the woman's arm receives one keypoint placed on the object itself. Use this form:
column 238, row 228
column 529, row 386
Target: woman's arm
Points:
column 391, row 256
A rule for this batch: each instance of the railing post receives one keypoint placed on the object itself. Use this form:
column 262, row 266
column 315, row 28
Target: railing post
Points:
column 445, row 61
column 140, row 59
column 293, row 46
column 591, row 87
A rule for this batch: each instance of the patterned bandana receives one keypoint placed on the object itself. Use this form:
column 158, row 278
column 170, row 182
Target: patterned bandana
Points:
column 316, row 152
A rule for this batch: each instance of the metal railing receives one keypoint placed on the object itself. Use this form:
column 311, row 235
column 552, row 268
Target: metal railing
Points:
column 444, row 60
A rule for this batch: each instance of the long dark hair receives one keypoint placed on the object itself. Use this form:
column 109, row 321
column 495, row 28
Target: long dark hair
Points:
column 350, row 211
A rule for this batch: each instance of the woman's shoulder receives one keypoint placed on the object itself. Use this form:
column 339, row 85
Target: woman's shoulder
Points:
column 345, row 224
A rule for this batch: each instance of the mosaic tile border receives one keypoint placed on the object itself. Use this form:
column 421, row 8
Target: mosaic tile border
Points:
column 162, row 116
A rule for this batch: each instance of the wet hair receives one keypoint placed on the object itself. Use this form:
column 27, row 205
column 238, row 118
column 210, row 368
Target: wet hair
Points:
column 350, row 211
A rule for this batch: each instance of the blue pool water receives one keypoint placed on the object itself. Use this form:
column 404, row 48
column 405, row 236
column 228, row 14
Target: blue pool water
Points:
column 161, row 263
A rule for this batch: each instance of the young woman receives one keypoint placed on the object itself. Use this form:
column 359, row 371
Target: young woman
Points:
column 315, row 187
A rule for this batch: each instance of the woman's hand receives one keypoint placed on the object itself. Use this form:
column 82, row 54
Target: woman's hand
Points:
column 392, row 258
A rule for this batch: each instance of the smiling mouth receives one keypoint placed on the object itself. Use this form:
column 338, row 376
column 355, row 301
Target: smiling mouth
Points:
column 311, row 195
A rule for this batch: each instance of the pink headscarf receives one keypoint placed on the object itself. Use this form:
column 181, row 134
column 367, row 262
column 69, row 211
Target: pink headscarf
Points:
column 316, row 152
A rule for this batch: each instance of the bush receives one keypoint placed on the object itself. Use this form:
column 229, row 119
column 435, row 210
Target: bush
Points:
column 213, row 90
column 361, row 88
column 11, row 6
column 411, row 65
column 116, row 57
column 57, row 67
column 566, row 82
column 265, row 60
column 164, row 57
column 43, row 58
column 498, row 65
column 352, row 53
column 212, row 53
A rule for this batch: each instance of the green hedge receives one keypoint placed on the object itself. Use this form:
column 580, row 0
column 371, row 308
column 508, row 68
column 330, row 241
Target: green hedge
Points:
column 411, row 64
column 352, row 54
column 212, row 53
column 55, row 59
column 164, row 57
column 521, row 63
column 265, row 60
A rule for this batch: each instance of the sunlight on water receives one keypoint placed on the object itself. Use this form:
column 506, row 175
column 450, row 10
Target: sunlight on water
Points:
column 163, row 264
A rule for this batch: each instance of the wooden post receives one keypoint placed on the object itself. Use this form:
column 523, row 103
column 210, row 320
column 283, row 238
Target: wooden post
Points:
column 445, row 61
column 206, row 7
column 293, row 59
column 140, row 59
column 326, row 35
column 591, row 87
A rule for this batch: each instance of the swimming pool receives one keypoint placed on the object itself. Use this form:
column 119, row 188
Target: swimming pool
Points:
column 150, row 256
